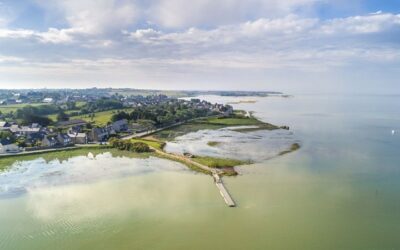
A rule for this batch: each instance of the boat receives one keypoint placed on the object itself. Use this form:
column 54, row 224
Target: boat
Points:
column 90, row 155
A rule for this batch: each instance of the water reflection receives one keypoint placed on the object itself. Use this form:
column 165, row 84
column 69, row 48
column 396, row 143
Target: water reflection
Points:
column 36, row 174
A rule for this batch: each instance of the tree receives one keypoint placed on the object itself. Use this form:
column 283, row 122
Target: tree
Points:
column 119, row 116
column 62, row 116
column 71, row 105
column 7, row 135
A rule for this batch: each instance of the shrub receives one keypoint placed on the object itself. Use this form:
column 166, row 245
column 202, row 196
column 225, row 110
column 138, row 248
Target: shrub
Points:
column 137, row 147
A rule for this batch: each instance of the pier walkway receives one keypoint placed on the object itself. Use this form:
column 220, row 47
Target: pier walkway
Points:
column 214, row 172
column 223, row 191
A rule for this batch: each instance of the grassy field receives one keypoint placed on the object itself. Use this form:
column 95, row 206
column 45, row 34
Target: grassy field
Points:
column 100, row 118
column 5, row 109
column 155, row 144
column 234, row 121
column 7, row 161
column 213, row 162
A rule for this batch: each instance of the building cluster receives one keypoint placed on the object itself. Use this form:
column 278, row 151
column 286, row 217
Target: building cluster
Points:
column 139, row 101
column 76, row 131
column 212, row 107
column 36, row 137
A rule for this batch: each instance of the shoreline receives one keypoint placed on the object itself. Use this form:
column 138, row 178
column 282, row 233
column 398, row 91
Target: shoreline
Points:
column 202, row 164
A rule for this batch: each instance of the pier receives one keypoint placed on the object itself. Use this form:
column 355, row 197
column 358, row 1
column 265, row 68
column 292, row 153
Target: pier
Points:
column 223, row 191
column 214, row 172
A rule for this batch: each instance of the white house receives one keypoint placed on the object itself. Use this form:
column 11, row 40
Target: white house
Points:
column 7, row 147
column 48, row 100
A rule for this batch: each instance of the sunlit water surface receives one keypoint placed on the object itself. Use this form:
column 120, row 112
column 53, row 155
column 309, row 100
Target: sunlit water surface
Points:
column 341, row 190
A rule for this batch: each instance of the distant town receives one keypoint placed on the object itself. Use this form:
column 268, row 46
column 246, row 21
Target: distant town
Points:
column 39, row 120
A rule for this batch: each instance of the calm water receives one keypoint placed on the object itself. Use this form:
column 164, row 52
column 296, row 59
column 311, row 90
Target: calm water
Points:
column 341, row 190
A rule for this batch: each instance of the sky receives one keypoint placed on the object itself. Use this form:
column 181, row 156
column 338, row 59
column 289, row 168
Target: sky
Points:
column 294, row 46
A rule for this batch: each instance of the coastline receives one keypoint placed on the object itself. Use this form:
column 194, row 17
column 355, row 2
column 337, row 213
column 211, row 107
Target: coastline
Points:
column 156, row 141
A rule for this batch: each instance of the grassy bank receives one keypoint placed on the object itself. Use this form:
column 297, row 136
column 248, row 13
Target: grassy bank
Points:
column 213, row 143
column 184, row 162
column 214, row 162
column 224, row 164
column 293, row 147
column 152, row 143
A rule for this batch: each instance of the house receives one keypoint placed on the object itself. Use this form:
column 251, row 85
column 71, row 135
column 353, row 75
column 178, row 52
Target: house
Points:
column 34, row 138
column 48, row 100
column 24, row 130
column 121, row 125
column 49, row 141
column 71, row 123
column 78, row 138
column 64, row 139
column 7, row 147
column 14, row 128
column 5, row 126
column 99, row 134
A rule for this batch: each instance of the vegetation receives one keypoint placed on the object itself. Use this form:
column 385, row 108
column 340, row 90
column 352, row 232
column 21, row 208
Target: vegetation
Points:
column 163, row 114
column 128, row 145
column 213, row 162
column 6, row 135
column 234, row 121
column 187, row 163
column 7, row 109
column 62, row 116
column 242, row 101
column 214, row 123
column 151, row 143
column 263, row 126
column 213, row 143
column 101, row 104
column 36, row 114
column 293, row 147
column 99, row 118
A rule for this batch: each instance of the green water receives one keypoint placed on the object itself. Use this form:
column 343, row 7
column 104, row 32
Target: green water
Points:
column 341, row 190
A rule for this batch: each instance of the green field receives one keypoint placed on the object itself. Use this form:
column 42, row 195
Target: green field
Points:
column 100, row 118
column 234, row 121
column 5, row 109
column 155, row 144
column 213, row 162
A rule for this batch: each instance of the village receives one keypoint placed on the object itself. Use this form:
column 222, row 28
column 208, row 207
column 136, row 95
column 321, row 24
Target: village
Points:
column 61, row 121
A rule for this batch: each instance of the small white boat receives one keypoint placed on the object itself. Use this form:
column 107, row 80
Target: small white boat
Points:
column 393, row 132
column 90, row 155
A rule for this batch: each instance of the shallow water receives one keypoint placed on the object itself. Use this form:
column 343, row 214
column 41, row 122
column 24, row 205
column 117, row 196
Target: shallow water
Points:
column 341, row 190
column 254, row 146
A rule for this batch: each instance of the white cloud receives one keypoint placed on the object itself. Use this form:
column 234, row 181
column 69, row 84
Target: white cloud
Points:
column 183, row 13
column 87, row 50
column 373, row 23
column 15, row 34
column 95, row 16
column 10, row 59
